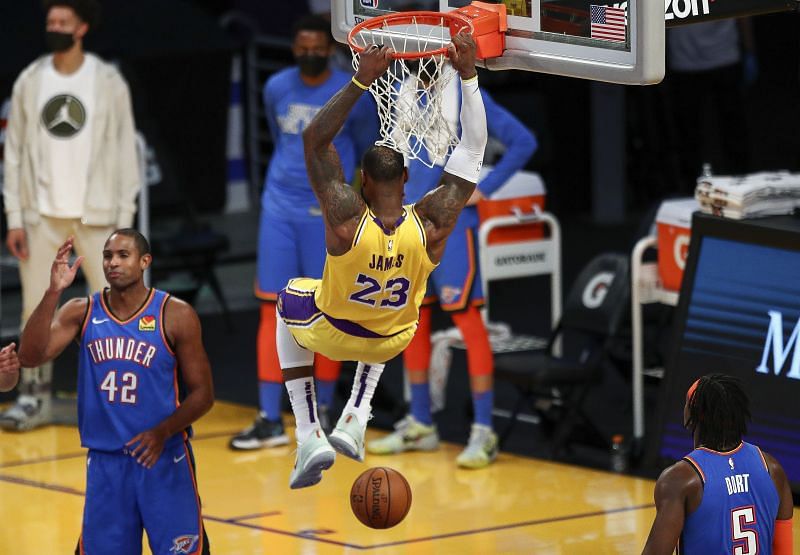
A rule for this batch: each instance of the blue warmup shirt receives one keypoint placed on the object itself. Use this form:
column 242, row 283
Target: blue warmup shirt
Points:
column 290, row 106
column 518, row 140
column 739, row 503
column 127, row 374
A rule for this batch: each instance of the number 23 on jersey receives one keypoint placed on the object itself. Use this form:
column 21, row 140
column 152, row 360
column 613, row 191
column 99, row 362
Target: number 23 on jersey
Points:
column 393, row 294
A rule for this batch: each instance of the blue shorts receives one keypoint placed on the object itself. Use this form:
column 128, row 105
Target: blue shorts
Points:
column 457, row 280
column 288, row 249
column 123, row 498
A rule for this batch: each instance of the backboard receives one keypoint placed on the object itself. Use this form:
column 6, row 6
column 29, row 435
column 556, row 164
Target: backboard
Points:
column 617, row 42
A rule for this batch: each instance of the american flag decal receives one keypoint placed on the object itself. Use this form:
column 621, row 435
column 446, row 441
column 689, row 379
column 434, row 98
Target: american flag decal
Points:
column 608, row 23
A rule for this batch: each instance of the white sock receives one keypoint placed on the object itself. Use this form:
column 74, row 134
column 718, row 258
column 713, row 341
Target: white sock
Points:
column 304, row 406
column 364, row 384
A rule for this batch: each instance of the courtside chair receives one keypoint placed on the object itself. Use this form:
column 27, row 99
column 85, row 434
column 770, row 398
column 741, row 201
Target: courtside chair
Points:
column 555, row 387
column 195, row 248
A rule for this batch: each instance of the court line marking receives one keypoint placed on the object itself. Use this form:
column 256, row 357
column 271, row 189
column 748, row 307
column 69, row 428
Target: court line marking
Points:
column 256, row 515
column 72, row 491
column 514, row 525
column 41, row 485
column 299, row 536
column 310, row 536
column 76, row 454
column 51, row 458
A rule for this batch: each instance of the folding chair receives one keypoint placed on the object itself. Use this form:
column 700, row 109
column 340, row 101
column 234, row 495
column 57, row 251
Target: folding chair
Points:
column 547, row 380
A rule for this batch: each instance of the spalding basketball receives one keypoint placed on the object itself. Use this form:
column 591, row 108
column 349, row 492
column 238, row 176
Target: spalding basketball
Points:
column 380, row 497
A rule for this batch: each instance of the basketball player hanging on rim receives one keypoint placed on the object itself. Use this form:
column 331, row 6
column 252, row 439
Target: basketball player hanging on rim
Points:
column 379, row 256
column 726, row 496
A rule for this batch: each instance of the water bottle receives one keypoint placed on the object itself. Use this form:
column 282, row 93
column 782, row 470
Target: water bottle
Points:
column 619, row 455
column 706, row 170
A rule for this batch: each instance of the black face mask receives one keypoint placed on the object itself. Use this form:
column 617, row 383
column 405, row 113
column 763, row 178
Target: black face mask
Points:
column 59, row 42
column 312, row 66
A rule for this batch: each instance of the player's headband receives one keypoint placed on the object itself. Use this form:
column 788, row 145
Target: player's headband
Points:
column 692, row 389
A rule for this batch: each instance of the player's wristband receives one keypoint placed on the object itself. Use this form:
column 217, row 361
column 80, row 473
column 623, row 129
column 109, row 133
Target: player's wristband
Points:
column 358, row 84
column 782, row 539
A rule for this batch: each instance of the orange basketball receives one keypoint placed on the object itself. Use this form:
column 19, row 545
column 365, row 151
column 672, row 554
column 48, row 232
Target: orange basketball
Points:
column 380, row 497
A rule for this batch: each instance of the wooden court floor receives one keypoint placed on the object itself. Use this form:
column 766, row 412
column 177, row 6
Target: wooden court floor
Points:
column 518, row 505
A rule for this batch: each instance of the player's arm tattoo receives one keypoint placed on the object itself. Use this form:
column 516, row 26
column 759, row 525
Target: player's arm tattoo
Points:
column 442, row 206
column 338, row 201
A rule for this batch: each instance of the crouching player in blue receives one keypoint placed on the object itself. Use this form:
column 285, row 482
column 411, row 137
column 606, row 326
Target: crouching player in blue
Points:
column 135, row 343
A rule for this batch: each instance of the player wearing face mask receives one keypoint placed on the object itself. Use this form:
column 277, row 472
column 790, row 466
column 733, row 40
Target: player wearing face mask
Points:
column 291, row 240
column 70, row 169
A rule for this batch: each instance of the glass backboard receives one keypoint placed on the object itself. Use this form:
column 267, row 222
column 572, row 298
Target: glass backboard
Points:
column 616, row 42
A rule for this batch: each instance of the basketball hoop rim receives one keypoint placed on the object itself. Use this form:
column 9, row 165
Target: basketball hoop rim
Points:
column 400, row 18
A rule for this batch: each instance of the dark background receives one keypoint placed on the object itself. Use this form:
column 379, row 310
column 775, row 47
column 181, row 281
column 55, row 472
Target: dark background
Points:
column 723, row 327
column 176, row 59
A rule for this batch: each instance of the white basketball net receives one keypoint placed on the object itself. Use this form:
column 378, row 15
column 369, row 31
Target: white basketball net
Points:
column 415, row 112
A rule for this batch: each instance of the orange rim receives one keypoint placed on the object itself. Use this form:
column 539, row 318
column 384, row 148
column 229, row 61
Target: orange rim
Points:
column 410, row 18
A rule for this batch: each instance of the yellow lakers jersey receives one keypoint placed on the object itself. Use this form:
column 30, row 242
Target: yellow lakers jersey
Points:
column 381, row 281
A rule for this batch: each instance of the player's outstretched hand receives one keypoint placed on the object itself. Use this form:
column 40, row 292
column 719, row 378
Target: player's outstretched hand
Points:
column 372, row 63
column 462, row 54
column 9, row 367
column 61, row 273
column 147, row 446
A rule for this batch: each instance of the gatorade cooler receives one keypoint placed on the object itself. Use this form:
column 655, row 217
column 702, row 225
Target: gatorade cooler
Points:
column 522, row 194
column 674, row 222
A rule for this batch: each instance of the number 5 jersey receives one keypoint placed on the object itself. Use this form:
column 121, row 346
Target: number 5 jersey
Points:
column 739, row 506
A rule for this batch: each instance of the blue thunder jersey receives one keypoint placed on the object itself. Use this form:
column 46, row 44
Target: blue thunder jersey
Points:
column 127, row 374
column 290, row 106
column 739, row 503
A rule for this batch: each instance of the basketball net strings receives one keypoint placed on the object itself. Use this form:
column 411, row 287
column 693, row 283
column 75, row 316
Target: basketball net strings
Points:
column 411, row 97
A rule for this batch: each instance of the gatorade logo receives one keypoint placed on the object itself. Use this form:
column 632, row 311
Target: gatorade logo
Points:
column 680, row 250
column 595, row 292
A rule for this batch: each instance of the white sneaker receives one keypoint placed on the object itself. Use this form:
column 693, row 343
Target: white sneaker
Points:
column 348, row 436
column 314, row 455
column 27, row 413
column 409, row 435
column 481, row 449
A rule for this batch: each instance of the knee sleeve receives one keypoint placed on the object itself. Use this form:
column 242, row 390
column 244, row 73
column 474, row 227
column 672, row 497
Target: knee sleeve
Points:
column 417, row 355
column 290, row 354
column 326, row 369
column 479, row 351
column 269, row 368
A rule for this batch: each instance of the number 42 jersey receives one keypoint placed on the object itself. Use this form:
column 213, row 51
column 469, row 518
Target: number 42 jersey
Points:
column 127, row 374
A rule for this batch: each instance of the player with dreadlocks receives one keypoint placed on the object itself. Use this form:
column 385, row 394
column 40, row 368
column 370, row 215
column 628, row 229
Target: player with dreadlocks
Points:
column 726, row 496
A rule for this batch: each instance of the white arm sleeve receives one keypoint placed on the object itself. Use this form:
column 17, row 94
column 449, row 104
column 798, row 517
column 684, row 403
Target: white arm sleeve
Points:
column 467, row 158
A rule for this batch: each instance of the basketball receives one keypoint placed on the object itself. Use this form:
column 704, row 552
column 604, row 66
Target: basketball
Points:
column 380, row 497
